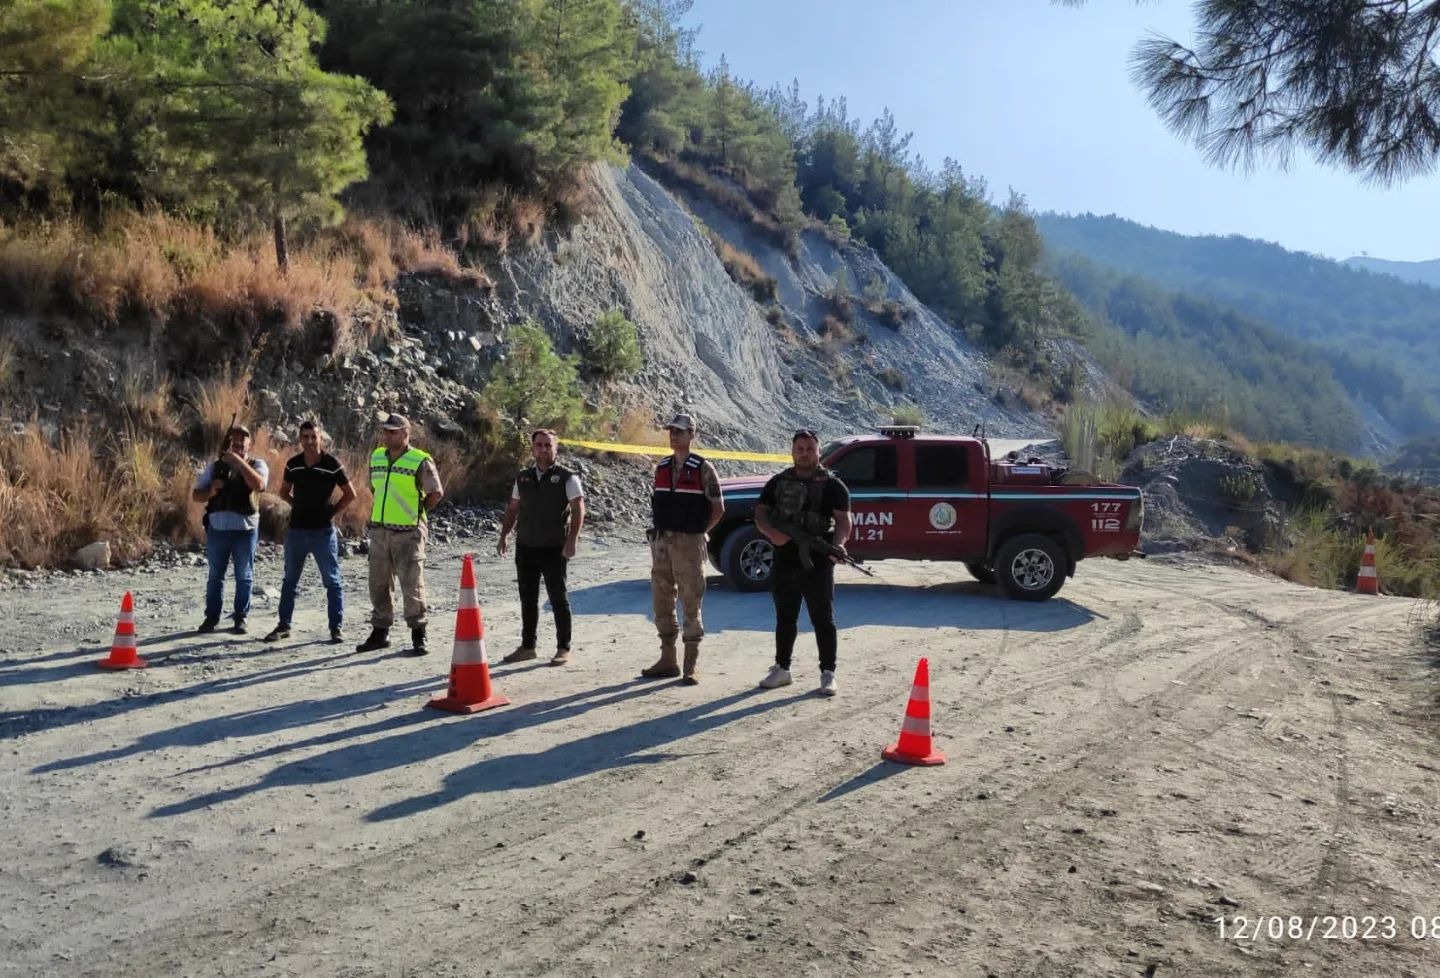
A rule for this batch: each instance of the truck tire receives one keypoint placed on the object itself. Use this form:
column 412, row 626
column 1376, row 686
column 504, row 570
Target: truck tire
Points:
column 982, row 572
column 747, row 559
column 1030, row 567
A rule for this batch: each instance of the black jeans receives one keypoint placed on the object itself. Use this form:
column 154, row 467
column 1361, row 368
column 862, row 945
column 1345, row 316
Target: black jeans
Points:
column 792, row 583
column 531, row 564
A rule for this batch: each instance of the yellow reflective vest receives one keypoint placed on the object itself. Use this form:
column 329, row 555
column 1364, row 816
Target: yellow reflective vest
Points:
column 396, row 486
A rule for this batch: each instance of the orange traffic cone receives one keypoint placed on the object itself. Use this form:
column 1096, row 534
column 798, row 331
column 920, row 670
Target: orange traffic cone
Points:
column 1368, row 582
column 914, row 746
column 470, row 690
column 122, row 649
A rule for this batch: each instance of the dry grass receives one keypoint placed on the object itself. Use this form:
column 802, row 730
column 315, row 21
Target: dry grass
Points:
column 637, row 426
column 163, row 270
column 217, row 402
column 503, row 218
column 54, row 500
column 145, row 395
column 9, row 359
column 744, row 270
column 728, row 195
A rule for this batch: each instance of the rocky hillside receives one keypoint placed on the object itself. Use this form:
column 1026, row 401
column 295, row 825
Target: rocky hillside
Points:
column 708, row 345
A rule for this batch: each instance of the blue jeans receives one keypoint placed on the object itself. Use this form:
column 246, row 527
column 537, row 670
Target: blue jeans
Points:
column 223, row 547
column 325, row 546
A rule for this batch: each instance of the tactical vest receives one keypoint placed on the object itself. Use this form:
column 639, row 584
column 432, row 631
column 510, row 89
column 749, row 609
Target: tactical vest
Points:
column 677, row 499
column 396, row 486
column 236, row 497
column 544, row 508
column 800, row 501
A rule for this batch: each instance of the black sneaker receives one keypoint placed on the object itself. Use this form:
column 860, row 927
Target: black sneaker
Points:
column 336, row 636
column 207, row 626
column 239, row 628
column 277, row 633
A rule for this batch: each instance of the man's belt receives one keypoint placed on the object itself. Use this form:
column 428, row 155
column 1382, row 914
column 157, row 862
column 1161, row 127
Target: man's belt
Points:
column 392, row 526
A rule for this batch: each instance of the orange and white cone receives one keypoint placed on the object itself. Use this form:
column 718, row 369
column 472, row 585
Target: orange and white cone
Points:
column 1368, row 582
column 122, row 650
column 914, row 746
column 470, row 690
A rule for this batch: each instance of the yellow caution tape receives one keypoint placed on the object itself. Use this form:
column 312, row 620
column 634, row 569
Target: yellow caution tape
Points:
column 610, row 446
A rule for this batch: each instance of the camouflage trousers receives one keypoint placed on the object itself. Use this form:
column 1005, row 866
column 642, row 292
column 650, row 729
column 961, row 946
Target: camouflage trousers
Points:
column 677, row 569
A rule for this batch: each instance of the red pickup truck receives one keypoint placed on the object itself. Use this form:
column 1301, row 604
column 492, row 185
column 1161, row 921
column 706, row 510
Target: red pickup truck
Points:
column 940, row 497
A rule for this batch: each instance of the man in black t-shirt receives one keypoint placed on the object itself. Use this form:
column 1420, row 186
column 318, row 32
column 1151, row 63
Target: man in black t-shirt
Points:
column 311, row 478
column 805, row 498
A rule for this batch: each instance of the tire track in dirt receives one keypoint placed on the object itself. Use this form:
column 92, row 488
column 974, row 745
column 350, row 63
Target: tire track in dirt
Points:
column 778, row 808
column 528, row 824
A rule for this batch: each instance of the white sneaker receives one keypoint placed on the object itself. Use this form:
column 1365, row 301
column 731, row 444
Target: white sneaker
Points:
column 827, row 683
column 777, row 677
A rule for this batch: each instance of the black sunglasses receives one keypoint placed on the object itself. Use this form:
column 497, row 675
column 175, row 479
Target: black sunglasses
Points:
column 803, row 433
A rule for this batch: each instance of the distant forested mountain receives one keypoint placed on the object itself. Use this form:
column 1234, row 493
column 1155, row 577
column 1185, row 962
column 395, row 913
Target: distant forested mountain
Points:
column 1380, row 336
column 1195, row 357
column 1423, row 272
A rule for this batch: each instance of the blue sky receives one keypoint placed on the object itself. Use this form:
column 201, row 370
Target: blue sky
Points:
column 1035, row 96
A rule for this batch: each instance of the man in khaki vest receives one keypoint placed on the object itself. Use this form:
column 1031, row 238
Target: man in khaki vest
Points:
column 406, row 485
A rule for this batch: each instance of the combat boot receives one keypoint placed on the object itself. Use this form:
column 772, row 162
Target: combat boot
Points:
column 417, row 641
column 692, row 674
column 379, row 639
column 666, row 667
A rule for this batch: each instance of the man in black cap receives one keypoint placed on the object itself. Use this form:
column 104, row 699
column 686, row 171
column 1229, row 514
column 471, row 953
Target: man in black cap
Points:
column 230, row 489
column 685, row 504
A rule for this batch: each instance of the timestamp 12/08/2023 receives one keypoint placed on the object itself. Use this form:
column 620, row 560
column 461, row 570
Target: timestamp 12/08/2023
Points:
column 1327, row 927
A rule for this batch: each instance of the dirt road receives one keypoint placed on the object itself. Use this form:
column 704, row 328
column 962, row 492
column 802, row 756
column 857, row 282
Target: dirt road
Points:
column 1165, row 744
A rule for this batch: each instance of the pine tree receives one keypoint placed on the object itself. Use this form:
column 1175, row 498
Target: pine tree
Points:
column 247, row 121
column 582, row 56
column 45, row 46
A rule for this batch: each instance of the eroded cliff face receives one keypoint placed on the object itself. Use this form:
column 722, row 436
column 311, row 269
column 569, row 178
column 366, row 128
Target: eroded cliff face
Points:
column 708, row 345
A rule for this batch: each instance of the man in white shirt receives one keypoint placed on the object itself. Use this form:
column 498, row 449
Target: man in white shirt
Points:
column 548, row 504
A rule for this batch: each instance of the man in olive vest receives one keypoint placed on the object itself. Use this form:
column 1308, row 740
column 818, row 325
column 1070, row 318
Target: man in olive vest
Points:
column 685, row 504
column 548, row 504
column 406, row 486
column 230, row 487
column 805, row 498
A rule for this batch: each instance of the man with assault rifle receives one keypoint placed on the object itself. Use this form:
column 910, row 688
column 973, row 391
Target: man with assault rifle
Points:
column 804, row 510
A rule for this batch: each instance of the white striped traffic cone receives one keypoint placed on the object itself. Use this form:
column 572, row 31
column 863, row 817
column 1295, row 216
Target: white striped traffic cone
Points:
column 122, row 650
column 914, row 746
column 1368, row 582
column 470, row 690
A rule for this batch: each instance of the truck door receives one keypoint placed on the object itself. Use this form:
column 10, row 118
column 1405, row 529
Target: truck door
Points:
column 946, row 511
column 872, row 474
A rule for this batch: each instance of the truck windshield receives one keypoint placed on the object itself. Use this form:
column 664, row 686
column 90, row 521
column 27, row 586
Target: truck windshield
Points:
column 829, row 449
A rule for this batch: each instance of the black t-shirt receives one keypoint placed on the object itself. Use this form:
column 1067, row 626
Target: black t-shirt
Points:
column 313, row 486
column 835, row 498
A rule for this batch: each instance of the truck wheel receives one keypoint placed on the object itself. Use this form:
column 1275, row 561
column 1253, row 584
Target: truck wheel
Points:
column 747, row 559
column 983, row 573
column 1030, row 567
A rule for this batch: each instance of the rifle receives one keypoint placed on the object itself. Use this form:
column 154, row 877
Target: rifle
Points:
column 222, row 468
column 809, row 544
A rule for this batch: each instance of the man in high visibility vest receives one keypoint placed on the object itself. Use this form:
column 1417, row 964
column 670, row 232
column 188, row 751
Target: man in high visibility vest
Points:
column 406, row 486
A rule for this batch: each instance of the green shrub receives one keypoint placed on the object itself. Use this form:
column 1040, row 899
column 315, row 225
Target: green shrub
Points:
column 891, row 378
column 612, row 347
column 908, row 414
column 534, row 386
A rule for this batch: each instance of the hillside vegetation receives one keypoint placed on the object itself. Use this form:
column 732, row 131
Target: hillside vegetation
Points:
column 1188, row 356
column 1381, row 336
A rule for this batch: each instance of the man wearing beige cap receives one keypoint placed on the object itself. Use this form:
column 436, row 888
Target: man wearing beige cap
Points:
column 406, row 485
column 685, row 504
